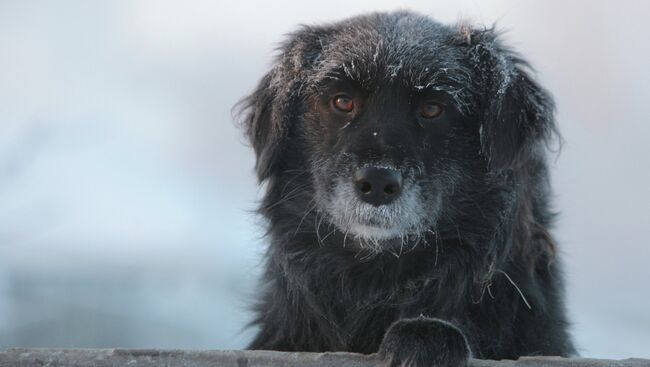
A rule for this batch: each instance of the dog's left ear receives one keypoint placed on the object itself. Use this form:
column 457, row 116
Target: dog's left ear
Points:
column 517, row 114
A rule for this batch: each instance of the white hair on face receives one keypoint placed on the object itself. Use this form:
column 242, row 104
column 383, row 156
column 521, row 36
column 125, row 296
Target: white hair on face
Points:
column 372, row 232
column 408, row 215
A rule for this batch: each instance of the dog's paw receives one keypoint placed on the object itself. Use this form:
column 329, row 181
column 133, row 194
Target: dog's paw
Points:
column 424, row 342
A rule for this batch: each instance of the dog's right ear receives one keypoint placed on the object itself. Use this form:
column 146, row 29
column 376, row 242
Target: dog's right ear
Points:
column 269, row 113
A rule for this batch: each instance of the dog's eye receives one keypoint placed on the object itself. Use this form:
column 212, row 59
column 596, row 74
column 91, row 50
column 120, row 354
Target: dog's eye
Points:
column 430, row 110
column 343, row 103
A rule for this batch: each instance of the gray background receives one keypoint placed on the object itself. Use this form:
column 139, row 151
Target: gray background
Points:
column 126, row 191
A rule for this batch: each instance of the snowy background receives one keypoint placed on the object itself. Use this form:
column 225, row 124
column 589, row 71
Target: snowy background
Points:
column 126, row 191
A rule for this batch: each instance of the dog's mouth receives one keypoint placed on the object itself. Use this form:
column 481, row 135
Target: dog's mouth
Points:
column 375, row 232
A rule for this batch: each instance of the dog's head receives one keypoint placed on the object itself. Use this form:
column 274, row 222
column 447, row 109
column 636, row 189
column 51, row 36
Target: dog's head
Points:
column 390, row 115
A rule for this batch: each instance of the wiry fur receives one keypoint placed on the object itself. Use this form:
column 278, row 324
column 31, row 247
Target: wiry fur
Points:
column 468, row 242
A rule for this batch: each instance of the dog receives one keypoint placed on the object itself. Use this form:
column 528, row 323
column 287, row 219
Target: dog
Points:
column 406, row 195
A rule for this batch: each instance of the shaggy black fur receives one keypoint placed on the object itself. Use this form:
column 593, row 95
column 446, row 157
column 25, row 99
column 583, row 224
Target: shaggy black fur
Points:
column 468, row 240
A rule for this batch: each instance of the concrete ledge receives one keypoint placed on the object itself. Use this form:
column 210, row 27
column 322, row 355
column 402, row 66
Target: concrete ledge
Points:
column 185, row 358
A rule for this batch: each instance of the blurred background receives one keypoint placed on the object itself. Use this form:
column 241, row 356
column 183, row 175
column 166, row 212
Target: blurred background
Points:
column 126, row 191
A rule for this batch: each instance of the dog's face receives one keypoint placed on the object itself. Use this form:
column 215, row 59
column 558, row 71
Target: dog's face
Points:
column 380, row 154
column 391, row 115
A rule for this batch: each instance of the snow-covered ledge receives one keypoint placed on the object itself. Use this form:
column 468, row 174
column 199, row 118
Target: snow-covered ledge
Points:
column 190, row 358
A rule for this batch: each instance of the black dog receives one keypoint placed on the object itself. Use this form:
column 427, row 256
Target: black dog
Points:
column 407, row 195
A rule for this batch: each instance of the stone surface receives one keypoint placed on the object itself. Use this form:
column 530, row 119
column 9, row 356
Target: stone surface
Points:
column 237, row 358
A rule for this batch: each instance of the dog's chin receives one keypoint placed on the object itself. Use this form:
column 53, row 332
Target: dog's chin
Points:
column 375, row 233
column 376, row 239
column 376, row 226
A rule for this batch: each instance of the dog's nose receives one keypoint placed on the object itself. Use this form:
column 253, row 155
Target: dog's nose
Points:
column 378, row 186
